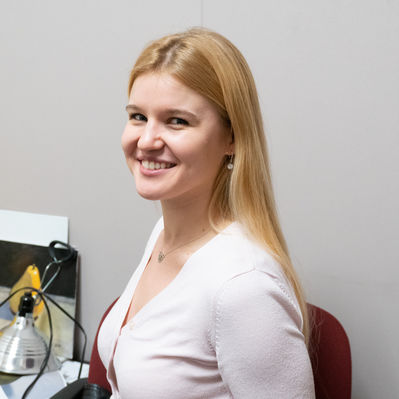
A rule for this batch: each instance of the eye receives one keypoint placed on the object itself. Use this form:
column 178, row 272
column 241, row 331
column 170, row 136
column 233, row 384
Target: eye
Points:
column 178, row 121
column 137, row 117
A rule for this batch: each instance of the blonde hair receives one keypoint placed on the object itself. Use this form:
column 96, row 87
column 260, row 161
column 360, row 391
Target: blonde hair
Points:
column 212, row 66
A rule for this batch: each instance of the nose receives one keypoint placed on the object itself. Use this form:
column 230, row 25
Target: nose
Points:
column 150, row 138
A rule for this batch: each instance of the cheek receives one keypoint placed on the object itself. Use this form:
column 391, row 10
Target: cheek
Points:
column 216, row 150
column 128, row 140
column 206, row 161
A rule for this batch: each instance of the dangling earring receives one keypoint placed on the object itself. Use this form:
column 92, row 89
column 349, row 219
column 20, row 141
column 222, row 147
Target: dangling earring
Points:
column 230, row 164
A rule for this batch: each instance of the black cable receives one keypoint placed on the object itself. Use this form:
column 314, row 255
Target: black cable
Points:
column 80, row 327
column 48, row 351
column 43, row 295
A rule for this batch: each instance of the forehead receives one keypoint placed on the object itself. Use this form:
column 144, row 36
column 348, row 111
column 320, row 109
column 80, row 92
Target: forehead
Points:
column 164, row 90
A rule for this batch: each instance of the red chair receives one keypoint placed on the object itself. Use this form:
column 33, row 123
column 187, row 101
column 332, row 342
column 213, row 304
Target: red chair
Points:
column 330, row 356
column 97, row 372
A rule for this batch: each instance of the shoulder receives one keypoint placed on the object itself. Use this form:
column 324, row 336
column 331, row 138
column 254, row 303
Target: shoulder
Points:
column 234, row 253
column 246, row 278
column 256, row 324
column 256, row 296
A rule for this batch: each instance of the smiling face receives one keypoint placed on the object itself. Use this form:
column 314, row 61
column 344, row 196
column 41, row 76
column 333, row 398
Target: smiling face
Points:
column 174, row 141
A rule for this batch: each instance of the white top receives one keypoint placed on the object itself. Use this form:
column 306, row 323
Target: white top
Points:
column 227, row 326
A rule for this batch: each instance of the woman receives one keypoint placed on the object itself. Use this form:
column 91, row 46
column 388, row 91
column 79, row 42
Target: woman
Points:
column 214, row 309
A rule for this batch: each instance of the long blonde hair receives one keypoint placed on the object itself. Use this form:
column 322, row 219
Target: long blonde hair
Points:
column 211, row 65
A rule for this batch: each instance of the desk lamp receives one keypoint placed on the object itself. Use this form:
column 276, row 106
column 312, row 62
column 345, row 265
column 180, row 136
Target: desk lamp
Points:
column 22, row 347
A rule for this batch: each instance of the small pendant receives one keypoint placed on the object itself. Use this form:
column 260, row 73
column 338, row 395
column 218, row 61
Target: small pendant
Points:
column 161, row 256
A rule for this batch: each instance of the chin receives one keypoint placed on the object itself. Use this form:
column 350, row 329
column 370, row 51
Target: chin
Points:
column 151, row 195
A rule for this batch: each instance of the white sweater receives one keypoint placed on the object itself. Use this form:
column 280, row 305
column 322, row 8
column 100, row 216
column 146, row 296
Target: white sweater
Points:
column 228, row 326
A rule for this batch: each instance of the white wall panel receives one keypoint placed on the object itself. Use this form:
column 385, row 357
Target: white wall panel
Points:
column 328, row 78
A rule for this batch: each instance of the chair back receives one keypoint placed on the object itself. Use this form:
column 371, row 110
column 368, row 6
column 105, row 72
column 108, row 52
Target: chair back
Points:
column 330, row 356
column 97, row 371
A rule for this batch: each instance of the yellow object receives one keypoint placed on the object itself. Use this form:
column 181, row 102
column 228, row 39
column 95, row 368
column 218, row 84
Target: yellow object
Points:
column 30, row 278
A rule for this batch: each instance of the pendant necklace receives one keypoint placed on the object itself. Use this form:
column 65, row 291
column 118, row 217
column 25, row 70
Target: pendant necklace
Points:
column 162, row 255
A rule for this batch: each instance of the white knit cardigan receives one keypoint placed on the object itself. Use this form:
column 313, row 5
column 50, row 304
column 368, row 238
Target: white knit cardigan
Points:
column 227, row 326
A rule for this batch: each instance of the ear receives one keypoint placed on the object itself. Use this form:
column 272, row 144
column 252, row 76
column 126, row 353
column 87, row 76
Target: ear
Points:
column 231, row 147
column 230, row 150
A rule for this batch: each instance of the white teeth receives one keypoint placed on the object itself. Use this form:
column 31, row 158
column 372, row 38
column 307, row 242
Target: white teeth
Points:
column 155, row 165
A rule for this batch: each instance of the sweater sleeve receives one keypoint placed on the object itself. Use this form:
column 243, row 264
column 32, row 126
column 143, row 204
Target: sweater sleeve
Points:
column 258, row 341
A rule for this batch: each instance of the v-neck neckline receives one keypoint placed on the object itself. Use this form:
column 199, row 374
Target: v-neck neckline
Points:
column 147, row 257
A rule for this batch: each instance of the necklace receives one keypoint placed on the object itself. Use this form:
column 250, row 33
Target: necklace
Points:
column 162, row 255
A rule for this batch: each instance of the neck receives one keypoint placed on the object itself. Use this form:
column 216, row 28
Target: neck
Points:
column 184, row 220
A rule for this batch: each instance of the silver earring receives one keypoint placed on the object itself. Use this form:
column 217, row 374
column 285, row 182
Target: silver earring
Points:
column 230, row 164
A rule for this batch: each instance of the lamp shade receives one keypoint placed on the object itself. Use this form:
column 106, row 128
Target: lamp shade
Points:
column 22, row 348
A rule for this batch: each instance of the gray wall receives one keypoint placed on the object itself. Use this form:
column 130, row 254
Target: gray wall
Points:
column 328, row 78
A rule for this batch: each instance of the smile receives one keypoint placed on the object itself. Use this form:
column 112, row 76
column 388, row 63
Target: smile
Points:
column 151, row 165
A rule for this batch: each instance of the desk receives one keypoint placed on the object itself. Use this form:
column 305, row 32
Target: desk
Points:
column 48, row 384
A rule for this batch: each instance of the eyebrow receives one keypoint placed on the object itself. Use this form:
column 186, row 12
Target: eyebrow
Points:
column 172, row 111
column 132, row 107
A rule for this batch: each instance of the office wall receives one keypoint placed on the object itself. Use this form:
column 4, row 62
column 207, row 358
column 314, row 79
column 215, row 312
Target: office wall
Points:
column 328, row 79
